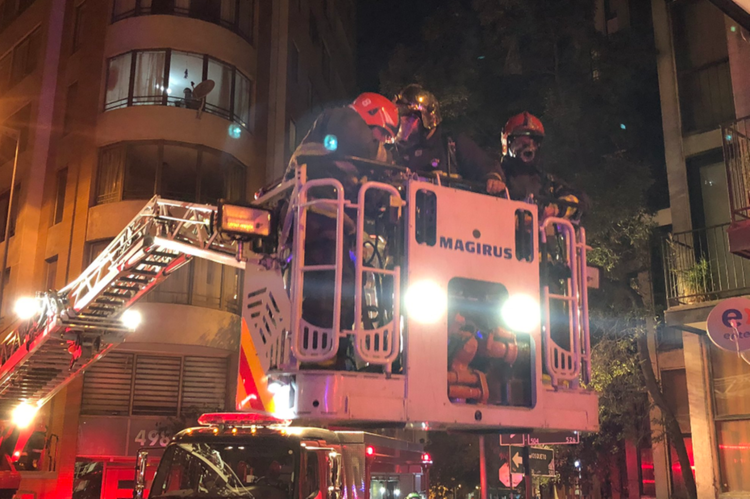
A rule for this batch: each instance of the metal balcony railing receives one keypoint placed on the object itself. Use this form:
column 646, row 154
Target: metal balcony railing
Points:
column 736, row 139
column 699, row 267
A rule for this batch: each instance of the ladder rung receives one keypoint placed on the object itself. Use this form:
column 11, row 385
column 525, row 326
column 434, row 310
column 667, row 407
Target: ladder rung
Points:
column 149, row 273
column 124, row 288
column 162, row 254
column 311, row 268
column 135, row 280
column 121, row 296
column 155, row 264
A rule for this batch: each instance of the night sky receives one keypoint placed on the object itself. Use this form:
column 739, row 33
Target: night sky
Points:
column 381, row 25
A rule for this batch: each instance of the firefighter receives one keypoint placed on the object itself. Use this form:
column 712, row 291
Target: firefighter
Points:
column 364, row 129
column 522, row 138
column 423, row 146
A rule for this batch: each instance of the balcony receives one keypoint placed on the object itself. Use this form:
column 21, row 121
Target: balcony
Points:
column 235, row 15
column 699, row 267
column 736, row 143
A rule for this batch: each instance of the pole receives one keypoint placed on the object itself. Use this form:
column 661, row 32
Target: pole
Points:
column 8, row 219
column 482, row 469
column 527, row 471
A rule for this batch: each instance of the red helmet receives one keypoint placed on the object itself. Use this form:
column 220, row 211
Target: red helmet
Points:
column 522, row 124
column 377, row 110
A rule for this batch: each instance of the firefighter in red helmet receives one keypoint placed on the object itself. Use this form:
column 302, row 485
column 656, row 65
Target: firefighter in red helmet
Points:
column 364, row 129
column 522, row 138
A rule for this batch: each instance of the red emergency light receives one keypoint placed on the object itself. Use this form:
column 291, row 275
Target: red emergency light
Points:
column 370, row 451
column 426, row 458
column 257, row 418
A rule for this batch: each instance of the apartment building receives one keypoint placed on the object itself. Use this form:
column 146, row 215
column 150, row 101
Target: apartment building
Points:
column 104, row 100
column 703, row 64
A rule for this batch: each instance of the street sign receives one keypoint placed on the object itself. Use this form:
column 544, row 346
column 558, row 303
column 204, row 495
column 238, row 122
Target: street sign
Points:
column 515, row 457
column 728, row 324
column 513, row 439
column 506, row 476
column 553, row 438
column 541, row 461
column 547, row 438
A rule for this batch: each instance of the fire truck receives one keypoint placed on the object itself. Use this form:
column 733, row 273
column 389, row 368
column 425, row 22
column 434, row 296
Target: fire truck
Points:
column 258, row 455
column 438, row 311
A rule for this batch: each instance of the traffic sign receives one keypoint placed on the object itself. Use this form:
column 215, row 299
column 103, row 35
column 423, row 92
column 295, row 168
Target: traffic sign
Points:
column 509, row 479
column 541, row 461
column 545, row 438
column 553, row 438
column 728, row 324
column 513, row 439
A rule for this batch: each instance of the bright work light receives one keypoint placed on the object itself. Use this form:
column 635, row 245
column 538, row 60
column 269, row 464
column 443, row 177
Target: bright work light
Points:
column 521, row 313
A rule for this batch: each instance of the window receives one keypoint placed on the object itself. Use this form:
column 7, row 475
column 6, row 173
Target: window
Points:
column 186, row 172
column 70, row 107
column 236, row 15
column 730, row 382
column 25, row 57
column 10, row 10
column 138, row 78
column 125, row 384
column 18, row 121
column 701, row 55
column 118, row 81
column 95, row 248
column 6, row 292
column 293, row 62
column 202, row 284
column 61, row 183
column 148, row 84
column 79, row 26
column 4, row 198
column 6, row 63
column 50, row 273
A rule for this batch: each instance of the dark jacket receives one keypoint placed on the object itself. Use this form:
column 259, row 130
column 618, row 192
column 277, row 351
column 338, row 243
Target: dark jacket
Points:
column 525, row 180
column 465, row 156
column 352, row 137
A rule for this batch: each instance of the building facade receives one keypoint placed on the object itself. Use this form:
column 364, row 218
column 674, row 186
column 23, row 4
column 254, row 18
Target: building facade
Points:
column 703, row 64
column 106, row 98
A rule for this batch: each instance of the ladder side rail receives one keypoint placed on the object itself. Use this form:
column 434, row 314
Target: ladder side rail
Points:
column 388, row 355
column 119, row 245
column 584, row 304
column 568, row 361
column 301, row 330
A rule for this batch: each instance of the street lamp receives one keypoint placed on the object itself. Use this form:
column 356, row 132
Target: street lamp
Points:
column 17, row 135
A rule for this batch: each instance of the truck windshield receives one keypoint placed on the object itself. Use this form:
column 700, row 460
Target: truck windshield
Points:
column 261, row 469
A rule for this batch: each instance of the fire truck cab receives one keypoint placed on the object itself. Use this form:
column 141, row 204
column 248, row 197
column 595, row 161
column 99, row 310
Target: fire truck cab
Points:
column 257, row 456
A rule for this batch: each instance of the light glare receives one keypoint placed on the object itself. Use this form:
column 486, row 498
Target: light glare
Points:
column 23, row 414
column 521, row 313
column 425, row 302
column 26, row 307
column 131, row 319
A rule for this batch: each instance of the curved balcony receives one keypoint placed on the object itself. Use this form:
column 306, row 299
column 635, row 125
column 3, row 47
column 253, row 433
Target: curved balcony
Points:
column 237, row 16
column 168, row 77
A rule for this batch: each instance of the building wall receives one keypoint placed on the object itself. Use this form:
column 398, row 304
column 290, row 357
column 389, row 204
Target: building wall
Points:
column 703, row 64
column 68, row 130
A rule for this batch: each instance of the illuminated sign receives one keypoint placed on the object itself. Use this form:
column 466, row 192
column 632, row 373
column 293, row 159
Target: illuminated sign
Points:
column 728, row 324
column 244, row 220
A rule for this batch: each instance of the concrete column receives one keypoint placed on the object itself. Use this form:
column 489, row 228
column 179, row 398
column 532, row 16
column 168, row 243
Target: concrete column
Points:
column 659, row 447
column 631, row 462
column 702, row 425
column 670, row 115
column 30, row 218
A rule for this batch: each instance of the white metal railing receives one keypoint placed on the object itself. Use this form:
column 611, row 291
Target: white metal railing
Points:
column 568, row 364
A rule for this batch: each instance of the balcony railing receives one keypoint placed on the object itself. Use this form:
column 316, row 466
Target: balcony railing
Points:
column 699, row 267
column 736, row 138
